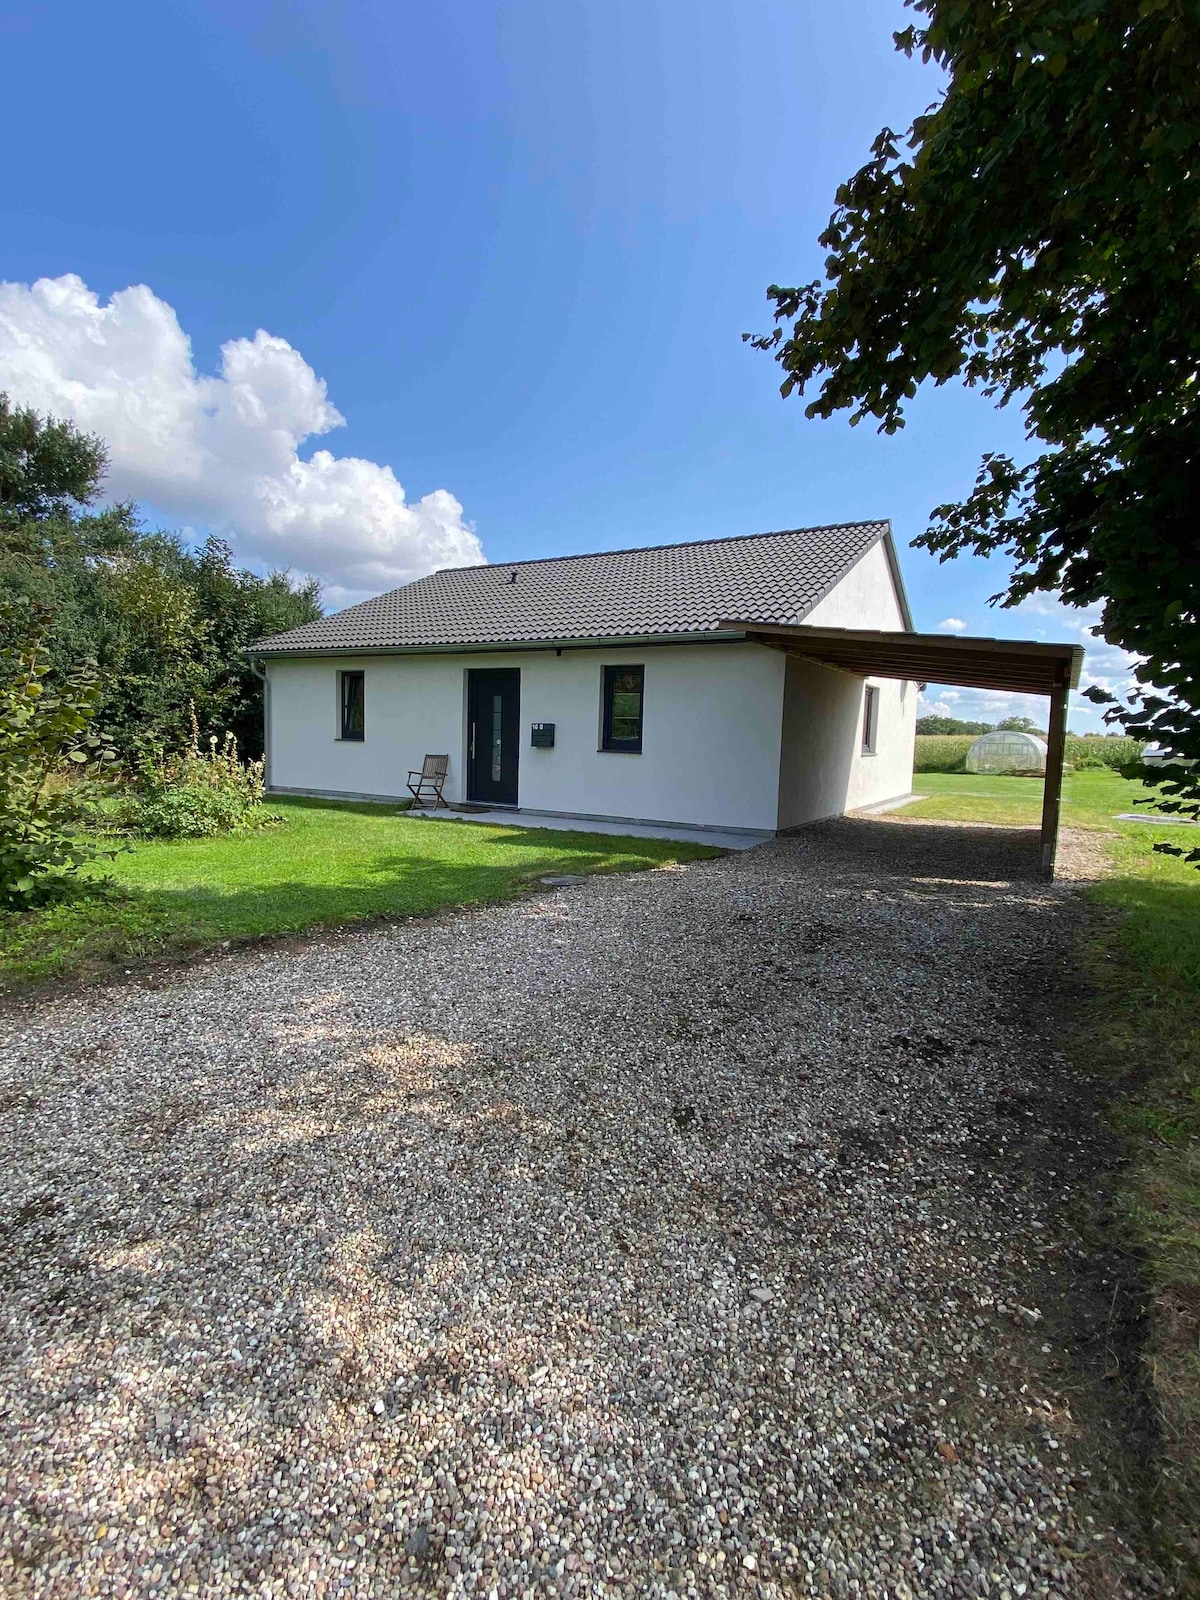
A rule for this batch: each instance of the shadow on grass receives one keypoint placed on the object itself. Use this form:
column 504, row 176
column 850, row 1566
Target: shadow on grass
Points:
column 1146, row 1023
column 358, row 808
column 400, row 886
column 630, row 848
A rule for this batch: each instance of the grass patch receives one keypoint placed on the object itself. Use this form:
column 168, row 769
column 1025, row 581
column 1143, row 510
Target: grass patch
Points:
column 330, row 863
column 90, row 934
column 1145, row 1022
column 1093, row 799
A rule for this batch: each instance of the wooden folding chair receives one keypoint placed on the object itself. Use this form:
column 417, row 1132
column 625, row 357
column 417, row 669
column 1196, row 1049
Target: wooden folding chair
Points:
column 427, row 791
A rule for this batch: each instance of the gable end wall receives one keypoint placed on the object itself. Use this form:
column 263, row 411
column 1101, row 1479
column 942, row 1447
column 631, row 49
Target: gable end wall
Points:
column 823, row 771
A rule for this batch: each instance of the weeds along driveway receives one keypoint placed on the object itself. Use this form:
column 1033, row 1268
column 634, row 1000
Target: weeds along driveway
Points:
column 693, row 1231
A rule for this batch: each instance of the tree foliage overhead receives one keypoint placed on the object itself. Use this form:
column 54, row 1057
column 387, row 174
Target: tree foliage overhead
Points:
column 1037, row 234
column 166, row 625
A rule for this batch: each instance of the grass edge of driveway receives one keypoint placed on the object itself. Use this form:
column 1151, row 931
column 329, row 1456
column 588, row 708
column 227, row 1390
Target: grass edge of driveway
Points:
column 331, row 864
column 1142, row 1029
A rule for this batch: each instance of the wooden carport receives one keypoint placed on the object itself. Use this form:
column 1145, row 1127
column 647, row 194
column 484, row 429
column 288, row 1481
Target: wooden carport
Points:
column 1014, row 664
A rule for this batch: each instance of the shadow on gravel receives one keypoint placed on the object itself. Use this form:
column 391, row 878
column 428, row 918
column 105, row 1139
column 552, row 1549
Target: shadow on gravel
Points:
column 331, row 1277
column 921, row 851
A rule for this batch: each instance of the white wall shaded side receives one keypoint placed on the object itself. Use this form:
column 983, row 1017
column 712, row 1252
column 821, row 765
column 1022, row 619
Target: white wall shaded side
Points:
column 824, row 770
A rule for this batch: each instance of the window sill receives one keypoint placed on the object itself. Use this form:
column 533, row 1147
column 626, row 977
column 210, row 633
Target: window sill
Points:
column 615, row 750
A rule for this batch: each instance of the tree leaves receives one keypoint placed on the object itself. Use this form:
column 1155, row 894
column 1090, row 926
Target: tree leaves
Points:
column 40, row 811
column 167, row 625
column 1043, row 243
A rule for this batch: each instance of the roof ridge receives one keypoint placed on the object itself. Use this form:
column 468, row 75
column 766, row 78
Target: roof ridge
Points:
column 647, row 549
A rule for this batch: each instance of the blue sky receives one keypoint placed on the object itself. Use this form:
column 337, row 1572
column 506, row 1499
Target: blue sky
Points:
column 516, row 240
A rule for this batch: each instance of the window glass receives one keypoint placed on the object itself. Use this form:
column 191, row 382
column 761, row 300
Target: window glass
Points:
column 870, row 718
column 353, row 705
column 497, row 736
column 623, row 695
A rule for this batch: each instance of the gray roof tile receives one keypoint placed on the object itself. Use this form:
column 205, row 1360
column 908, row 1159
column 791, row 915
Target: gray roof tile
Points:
column 669, row 589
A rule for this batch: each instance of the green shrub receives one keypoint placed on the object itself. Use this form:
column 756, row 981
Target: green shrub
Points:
column 941, row 752
column 196, row 793
column 44, row 728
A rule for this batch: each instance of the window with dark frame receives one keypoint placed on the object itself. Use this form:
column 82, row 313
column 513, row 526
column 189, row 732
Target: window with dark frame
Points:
column 622, row 721
column 353, row 705
column 870, row 719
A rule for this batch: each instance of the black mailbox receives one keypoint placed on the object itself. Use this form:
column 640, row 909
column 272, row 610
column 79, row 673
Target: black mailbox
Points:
column 543, row 736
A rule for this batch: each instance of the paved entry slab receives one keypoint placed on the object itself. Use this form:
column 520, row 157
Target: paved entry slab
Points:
column 718, row 838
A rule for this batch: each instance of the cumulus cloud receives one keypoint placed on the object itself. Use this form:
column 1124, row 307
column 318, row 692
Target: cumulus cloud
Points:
column 952, row 625
column 222, row 450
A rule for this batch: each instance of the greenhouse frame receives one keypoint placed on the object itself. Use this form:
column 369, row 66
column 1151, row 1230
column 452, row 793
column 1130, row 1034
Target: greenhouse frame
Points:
column 1008, row 750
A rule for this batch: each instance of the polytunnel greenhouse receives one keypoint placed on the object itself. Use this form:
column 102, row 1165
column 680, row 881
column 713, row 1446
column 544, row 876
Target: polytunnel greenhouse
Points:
column 1006, row 750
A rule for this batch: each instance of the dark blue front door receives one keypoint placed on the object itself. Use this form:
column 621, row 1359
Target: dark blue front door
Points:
column 493, row 735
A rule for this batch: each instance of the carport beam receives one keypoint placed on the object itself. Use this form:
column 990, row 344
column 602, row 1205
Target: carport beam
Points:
column 1056, row 745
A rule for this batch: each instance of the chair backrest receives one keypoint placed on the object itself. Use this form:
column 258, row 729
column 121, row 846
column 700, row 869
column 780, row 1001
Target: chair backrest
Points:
column 435, row 766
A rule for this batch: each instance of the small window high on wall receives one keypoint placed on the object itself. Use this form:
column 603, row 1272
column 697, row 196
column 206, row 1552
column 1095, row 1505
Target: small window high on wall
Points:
column 353, row 701
column 870, row 725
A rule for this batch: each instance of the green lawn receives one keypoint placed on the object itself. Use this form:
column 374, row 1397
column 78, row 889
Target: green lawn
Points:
column 328, row 864
column 1144, row 1024
column 1092, row 798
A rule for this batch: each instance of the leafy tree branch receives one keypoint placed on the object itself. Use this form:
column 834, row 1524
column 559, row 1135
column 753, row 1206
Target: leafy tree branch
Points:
column 1036, row 234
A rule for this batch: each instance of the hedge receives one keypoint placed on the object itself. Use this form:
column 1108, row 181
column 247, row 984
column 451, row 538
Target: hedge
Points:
column 1103, row 752
column 946, row 752
column 942, row 752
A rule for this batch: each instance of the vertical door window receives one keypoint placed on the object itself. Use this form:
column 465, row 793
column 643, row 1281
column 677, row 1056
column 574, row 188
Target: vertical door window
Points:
column 353, row 705
column 497, row 735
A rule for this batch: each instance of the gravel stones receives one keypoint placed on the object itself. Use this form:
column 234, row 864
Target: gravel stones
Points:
column 658, row 1238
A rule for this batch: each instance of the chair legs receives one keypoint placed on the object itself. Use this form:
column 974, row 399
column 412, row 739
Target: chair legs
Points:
column 427, row 799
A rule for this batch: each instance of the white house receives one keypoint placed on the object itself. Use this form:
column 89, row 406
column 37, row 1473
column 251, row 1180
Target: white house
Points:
column 623, row 686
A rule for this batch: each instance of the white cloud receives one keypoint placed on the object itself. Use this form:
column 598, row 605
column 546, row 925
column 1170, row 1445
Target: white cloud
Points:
column 1041, row 616
column 222, row 451
column 952, row 625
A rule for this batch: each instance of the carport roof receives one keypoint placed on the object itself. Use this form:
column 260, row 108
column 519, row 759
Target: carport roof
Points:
column 1021, row 664
column 1026, row 665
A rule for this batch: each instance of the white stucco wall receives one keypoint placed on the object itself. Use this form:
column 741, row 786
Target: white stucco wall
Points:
column 710, row 747
column 864, row 598
column 734, row 736
column 823, row 770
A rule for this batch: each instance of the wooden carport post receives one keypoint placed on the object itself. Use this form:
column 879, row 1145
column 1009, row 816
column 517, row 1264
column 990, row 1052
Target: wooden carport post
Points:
column 1056, row 745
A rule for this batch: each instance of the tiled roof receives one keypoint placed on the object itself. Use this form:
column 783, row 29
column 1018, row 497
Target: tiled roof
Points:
column 670, row 589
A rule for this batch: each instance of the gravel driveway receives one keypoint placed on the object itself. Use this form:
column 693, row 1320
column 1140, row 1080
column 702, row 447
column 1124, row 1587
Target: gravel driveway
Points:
column 677, row 1232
